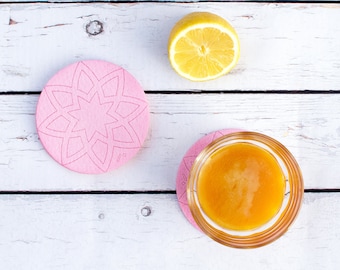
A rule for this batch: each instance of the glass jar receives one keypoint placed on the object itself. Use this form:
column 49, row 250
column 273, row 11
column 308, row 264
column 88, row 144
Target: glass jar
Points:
column 279, row 223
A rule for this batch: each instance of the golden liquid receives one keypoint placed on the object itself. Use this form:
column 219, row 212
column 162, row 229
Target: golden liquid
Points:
column 241, row 186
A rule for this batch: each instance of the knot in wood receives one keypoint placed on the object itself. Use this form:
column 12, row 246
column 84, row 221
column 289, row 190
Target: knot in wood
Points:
column 146, row 211
column 94, row 28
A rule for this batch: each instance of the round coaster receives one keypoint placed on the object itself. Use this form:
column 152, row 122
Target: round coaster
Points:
column 92, row 117
column 185, row 166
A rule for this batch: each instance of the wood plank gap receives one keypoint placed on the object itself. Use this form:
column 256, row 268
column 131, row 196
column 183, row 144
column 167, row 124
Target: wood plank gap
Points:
column 88, row 192
column 129, row 192
column 327, row 190
column 18, row 93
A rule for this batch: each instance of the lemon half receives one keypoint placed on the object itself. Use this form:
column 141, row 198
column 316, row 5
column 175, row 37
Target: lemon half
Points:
column 203, row 46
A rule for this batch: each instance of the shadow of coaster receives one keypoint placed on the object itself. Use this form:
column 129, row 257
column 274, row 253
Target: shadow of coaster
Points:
column 185, row 167
column 92, row 117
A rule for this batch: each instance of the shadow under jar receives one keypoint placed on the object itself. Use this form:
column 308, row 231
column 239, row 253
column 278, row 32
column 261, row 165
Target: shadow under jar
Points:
column 245, row 189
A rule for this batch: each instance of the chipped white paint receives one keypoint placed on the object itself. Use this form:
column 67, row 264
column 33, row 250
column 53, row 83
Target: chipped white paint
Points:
column 110, row 232
column 309, row 125
column 283, row 46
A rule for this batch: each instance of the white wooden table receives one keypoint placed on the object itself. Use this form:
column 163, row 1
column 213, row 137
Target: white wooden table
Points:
column 286, row 85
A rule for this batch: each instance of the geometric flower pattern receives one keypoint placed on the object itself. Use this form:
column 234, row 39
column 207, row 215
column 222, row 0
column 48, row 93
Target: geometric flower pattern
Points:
column 185, row 167
column 92, row 117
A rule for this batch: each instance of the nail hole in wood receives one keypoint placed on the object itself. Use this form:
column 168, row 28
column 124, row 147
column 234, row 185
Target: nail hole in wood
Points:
column 94, row 28
column 12, row 22
column 146, row 211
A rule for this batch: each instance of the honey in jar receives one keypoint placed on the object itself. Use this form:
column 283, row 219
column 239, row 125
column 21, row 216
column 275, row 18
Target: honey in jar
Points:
column 241, row 186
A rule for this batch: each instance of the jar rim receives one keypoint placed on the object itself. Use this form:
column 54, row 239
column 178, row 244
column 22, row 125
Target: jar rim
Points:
column 283, row 219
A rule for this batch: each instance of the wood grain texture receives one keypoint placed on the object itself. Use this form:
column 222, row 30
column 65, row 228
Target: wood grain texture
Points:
column 110, row 232
column 308, row 125
column 283, row 46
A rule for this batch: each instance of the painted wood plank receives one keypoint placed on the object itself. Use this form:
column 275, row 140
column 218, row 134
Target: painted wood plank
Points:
column 308, row 124
column 110, row 232
column 283, row 46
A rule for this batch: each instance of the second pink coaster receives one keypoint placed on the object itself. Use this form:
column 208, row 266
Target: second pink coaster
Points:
column 92, row 117
column 185, row 167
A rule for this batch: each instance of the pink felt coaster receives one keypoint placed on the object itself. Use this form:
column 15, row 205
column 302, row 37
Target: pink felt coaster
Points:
column 185, row 166
column 92, row 117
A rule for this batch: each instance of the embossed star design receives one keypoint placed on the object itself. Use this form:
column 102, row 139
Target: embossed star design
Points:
column 93, row 118
column 92, row 122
